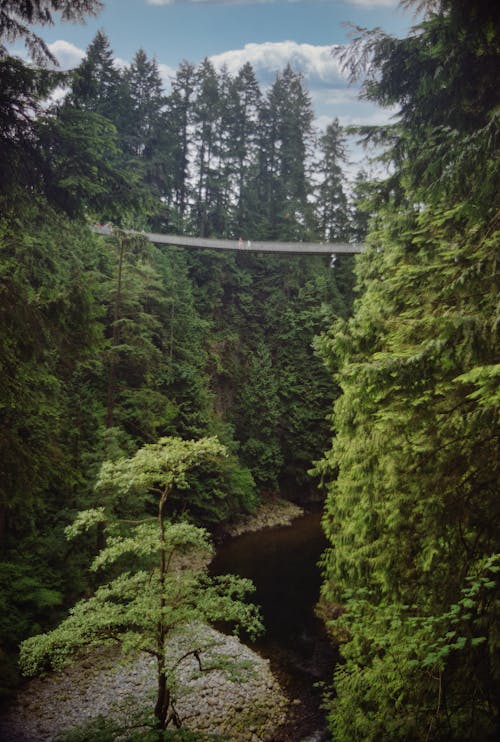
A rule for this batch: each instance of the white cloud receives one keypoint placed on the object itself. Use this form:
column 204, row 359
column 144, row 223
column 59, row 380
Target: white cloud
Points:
column 344, row 104
column 166, row 74
column 364, row 114
column 331, row 95
column 316, row 63
column 67, row 54
column 336, row 96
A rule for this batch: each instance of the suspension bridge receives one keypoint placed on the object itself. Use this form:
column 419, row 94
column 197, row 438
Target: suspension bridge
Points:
column 243, row 245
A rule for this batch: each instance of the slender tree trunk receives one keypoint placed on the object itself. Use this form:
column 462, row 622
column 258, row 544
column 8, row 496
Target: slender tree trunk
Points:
column 163, row 697
column 114, row 340
column 171, row 348
column 3, row 524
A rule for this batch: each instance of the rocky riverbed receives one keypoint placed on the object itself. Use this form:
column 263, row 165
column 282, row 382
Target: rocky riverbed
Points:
column 273, row 512
column 242, row 702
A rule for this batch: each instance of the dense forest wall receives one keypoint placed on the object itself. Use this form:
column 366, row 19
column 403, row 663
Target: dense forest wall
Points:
column 110, row 343
column 411, row 579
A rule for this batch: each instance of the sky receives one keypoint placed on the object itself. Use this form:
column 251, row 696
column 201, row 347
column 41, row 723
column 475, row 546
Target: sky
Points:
column 267, row 33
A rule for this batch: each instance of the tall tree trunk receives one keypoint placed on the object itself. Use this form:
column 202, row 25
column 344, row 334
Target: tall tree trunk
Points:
column 114, row 340
column 163, row 697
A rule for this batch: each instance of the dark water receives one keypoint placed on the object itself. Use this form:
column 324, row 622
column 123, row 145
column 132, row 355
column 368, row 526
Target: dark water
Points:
column 282, row 562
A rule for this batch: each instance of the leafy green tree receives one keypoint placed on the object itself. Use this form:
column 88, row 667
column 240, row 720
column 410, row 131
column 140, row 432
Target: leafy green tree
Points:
column 141, row 608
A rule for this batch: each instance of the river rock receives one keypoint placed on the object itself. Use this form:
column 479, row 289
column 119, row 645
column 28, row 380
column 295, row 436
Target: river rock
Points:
column 235, row 695
column 274, row 512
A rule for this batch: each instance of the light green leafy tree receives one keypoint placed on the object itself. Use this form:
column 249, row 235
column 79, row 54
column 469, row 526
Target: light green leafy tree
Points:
column 158, row 585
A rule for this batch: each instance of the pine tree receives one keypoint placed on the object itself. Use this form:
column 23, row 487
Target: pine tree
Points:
column 284, row 141
column 332, row 207
column 244, row 101
column 145, row 90
column 15, row 15
column 179, row 118
column 97, row 85
column 206, row 118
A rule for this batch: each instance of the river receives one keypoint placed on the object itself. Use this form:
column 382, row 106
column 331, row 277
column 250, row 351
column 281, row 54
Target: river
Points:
column 282, row 562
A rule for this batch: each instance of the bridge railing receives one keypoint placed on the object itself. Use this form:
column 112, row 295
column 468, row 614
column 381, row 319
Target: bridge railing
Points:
column 303, row 248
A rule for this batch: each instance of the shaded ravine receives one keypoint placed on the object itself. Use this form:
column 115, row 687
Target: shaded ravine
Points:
column 282, row 562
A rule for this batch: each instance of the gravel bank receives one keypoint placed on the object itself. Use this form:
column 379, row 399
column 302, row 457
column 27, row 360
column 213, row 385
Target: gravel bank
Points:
column 247, row 705
column 270, row 513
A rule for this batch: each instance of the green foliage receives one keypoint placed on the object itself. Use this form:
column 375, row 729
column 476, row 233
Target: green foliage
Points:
column 109, row 344
column 408, row 676
column 81, row 167
column 415, row 503
column 26, row 600
column 158, row 584
column 206, row 483
column 15, row 17
column 413, row 507
column 127, row 609
column 48, row 335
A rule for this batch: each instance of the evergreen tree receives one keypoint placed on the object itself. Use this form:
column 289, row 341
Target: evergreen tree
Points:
column 413, row 565
column 206, row 118
column 259, row 415
column 80, row 166
column 15, row 15
column 97, row 85
column 361, row 206
column 144, row 88
column 244, row 101
column 179, row 119
column 332, row 208
column 284, row 142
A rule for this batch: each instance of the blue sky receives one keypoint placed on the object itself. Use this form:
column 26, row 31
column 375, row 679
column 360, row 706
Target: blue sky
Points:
column 267, row 33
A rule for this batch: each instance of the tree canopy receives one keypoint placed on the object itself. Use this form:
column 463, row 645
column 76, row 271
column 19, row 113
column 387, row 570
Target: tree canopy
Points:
column 412, row 511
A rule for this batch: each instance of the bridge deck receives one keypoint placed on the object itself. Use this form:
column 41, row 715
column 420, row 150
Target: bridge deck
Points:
column 301, row 248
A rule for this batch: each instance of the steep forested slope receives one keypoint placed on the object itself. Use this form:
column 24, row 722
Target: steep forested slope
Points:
column 411, row 579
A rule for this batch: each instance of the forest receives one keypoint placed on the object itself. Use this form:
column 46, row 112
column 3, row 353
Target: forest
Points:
column 151, row 395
